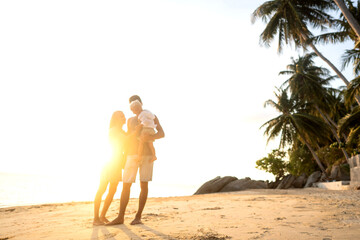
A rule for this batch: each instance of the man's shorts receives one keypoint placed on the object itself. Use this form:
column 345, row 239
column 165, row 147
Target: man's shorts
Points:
column 132, row 166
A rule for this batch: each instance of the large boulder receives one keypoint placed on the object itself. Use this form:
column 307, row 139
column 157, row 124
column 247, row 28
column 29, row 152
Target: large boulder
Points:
column 314, row 177
column 286, row 182
column 243, row 184
column 335, row 173
column 324, row 178
column 273, row 185
column 214, row 185
column 300, row 181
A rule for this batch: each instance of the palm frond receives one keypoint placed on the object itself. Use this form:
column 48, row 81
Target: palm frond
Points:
column 353, row 135
column 349, row 121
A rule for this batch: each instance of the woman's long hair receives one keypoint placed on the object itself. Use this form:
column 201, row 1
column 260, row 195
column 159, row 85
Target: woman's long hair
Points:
column 115, row 118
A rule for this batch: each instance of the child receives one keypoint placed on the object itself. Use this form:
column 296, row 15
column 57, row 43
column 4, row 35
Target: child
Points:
column 146, row 119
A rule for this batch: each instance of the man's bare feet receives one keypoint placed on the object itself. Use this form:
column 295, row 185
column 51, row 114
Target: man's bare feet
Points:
column 136, row 221
column 98, row 222
column 116, row 221
column 104, row 219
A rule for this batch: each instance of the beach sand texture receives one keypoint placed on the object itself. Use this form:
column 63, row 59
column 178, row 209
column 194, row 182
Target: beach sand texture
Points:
column 258, row 214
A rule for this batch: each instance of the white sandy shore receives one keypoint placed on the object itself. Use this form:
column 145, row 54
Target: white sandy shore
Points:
column 258, row 214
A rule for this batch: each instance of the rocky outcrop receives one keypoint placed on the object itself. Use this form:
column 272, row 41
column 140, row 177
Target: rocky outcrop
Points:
column 243, row 184
column 229, row 184
column 286, row 182
column 273, row 185
column 335, row 173
column 314, row 177
column 214, row 185
column 300, row 181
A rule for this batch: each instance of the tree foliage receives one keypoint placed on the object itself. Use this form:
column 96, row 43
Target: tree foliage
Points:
column 300, row 161
column 274, row 163
column 312, row 114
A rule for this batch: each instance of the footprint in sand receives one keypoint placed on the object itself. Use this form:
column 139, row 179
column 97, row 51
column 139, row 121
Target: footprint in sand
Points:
column 214, row 208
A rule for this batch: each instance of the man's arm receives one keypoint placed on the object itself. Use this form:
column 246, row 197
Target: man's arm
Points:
column 159, row 134
column 160, row 131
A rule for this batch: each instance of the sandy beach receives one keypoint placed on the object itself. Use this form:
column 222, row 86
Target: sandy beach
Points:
column 259, row 214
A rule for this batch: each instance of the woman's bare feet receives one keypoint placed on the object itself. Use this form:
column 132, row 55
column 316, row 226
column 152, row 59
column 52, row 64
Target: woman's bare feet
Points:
column 116, row 221
column 98, row 222
column 104, row 219
column 136, row 221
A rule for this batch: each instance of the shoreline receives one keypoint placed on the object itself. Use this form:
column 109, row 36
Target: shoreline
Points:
column 75, row 202
column 254, row 214
column 243, row 192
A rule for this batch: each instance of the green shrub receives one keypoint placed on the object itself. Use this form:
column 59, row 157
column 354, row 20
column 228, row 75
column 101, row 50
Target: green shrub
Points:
column 274, row 163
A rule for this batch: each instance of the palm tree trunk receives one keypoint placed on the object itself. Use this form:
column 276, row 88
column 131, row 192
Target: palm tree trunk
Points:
column 330, row 64
column 335, row 125
column 312, row 152
column 314, row 155
column 333, row 131
column 331, row 121
column 349, row 17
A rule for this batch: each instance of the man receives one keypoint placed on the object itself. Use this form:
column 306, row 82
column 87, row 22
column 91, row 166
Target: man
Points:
column 133, row 164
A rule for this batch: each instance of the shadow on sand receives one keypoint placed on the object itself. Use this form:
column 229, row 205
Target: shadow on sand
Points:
column 102, row 232
column 157, row 233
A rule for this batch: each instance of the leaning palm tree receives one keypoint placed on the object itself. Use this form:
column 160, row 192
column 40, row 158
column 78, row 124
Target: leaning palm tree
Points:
column 343, row 33
column 343, row 30
column 289, row 20
column 308, row 83
column 349, row 17
column 293, row 122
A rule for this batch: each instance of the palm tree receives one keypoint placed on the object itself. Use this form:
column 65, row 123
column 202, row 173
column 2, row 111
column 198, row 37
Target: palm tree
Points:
column 343, row 29
column 337, row 108
column 349, row 17
column 288, row 20
column 308, row 83
column 350, row 124
column 294, row 122
column 352, row 55
column 345, row 32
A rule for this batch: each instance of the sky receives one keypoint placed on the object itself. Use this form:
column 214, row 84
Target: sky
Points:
column 66, row 66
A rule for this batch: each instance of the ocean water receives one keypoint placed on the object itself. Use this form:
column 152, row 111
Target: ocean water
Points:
column 26, row 189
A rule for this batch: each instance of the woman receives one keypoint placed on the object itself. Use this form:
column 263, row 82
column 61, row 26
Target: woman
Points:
column 112, row 172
